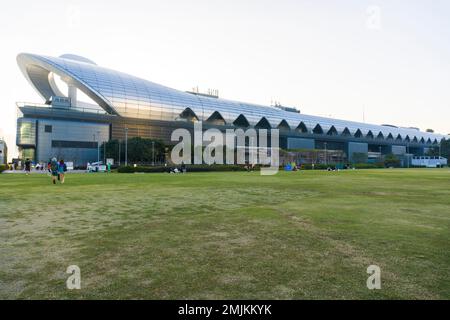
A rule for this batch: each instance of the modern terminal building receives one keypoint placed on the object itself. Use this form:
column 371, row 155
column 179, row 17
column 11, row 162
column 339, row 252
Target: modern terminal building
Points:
column 117, row 105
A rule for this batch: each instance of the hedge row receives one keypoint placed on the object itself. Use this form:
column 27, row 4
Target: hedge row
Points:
column 129, row 169
column 189, row 168
column 228, row 168
column 3, row 167
column 308, row 166
column 356, row 166
column 368, row 166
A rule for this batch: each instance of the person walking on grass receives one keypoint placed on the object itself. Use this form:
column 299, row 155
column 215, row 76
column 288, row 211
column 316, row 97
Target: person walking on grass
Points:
column 27, row 166
column 54, row 169
column 62, row 168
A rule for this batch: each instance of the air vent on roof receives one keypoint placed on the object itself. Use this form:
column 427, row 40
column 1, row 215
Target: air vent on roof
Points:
column 241, row 121
column 216, row 118
column 188, row 115
column 302, row 128
column 389, row 125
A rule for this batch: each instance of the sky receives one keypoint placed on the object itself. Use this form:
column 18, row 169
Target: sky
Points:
column 385, row 61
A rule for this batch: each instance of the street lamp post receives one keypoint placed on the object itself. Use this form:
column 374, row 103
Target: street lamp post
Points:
column 120, row 142
column 95, row 139
column 153, row 153
column 104, row 152
column 126, row 146
column 407, row 154
column 381, row 155
column 98, row 146
column 326, row 154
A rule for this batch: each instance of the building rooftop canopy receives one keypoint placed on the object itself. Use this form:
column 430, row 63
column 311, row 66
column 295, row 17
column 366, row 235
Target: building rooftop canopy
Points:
column 129, row 96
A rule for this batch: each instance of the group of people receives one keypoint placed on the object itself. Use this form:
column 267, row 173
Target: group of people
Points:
column 57, row 170
column 182, row 169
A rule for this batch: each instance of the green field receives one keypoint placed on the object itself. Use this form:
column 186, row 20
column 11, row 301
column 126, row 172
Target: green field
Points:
column 298, row 235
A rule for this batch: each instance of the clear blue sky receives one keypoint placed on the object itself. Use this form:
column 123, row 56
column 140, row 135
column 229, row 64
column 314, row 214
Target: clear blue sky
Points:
column 333, row 58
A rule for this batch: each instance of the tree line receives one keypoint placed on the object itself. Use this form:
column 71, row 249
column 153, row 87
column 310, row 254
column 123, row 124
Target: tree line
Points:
column 140, row 151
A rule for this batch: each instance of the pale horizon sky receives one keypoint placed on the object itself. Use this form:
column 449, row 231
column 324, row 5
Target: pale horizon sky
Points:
column 386, row 59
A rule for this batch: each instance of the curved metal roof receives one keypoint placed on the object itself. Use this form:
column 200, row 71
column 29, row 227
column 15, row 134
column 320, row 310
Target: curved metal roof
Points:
column 125, row 95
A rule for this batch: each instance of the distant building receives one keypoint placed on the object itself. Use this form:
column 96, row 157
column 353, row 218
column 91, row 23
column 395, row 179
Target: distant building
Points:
column 126, row 106
column 3, row 152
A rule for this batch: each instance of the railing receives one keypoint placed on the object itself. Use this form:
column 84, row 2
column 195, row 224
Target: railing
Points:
column 38, row 106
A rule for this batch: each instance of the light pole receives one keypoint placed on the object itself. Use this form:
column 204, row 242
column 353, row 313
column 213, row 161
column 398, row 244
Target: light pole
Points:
column 104, row 152
column 95, row 140
column 98, row 147
column 126, row 147
column 381, row 155
column 407, row 154
column 326, row 154
column 153, row 152
column 120, row 142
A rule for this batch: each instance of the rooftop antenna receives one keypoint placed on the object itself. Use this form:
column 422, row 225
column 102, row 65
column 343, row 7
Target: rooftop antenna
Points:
column 364, row 114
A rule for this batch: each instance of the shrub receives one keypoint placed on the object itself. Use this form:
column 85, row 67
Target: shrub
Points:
column 140, row 169
column 368, row 165
column 3, row 167
column 391, row 160
column 308, row 166
column 207, row 168
column 317, row 166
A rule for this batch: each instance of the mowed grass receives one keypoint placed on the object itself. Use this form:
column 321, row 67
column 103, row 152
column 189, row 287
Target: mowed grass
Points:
column 298, row 235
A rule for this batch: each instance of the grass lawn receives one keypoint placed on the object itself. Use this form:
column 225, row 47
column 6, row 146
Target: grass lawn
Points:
column 305, row 235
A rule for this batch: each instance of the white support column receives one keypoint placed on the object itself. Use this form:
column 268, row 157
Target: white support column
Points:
column 72, row 95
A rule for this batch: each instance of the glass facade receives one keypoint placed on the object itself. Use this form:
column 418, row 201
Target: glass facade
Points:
column 130, row 97
column 26, row 132
column 27, row 153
